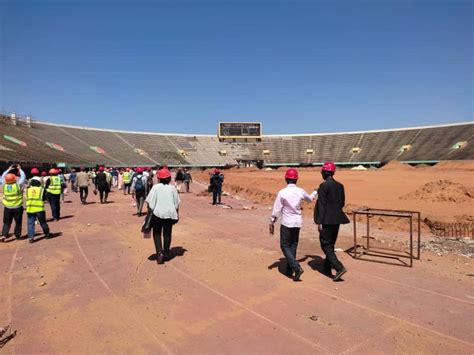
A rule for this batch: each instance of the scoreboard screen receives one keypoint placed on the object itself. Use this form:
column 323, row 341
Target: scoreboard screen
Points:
column 240, row 130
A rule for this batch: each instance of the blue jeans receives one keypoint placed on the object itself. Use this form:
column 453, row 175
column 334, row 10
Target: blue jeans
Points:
column 55, row 203
column 31, row 223
column 289, row 238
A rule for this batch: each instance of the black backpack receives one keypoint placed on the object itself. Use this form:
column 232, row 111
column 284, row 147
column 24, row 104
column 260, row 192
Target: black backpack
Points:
column 139, row 184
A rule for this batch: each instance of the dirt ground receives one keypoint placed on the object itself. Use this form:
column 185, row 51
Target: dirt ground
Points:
column 96, row 288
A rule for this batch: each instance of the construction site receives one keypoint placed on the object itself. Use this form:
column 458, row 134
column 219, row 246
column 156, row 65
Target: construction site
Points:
column 95, row 287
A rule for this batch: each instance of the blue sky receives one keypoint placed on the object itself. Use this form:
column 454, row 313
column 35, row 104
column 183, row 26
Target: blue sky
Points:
column 182, row 66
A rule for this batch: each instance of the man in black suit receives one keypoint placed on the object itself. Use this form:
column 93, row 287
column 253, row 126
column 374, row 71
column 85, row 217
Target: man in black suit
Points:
column 328, row 215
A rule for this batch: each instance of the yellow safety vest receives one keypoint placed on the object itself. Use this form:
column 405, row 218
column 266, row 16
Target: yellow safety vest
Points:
column 12, row 195
column 34, row 199
column 54, row 187
column 126, row 177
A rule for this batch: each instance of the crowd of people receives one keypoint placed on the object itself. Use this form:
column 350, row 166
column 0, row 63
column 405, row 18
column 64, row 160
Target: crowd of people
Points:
column 160, row 202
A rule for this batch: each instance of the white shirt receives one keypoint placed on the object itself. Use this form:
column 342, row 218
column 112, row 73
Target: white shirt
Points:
column 164, row 201
column 288, row 204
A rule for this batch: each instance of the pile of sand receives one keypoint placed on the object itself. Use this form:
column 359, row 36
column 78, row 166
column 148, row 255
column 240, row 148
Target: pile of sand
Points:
column 455, row 165
column 441, row 191
column 395, row 165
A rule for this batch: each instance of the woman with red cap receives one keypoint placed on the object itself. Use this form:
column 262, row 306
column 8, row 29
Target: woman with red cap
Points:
column 163, row 201
column 288, row 205
column 328, row 215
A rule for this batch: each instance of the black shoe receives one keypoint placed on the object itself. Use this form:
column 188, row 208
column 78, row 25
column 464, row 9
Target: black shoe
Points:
column 48, row 236
column 339, row 274
column 160, row 258
column 31, row 240
column 289, row 272
column 298, row 272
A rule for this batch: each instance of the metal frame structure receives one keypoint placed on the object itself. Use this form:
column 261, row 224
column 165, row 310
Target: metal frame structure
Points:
column 371, row 212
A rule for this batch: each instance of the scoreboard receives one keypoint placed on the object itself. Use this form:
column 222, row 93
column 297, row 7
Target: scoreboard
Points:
column 233, row 130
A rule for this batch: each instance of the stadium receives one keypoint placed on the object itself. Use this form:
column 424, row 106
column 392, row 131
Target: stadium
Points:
column 40, row 142
column 96, row 281
column 236, row 177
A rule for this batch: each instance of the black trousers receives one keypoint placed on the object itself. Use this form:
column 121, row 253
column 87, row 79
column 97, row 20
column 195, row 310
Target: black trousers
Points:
column 83, row 192
column 140, row 197
column 165, row 227
column 103, row 194
column 55, row 203
column 289, row 238
column 328, row 238
column 10, row 214
column 216, row 195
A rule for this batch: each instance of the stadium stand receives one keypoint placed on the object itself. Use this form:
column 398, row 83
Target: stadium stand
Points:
column 87, row 146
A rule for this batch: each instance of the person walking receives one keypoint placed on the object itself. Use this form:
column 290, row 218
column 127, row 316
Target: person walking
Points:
column 35, row 173
column 178, row 179
column 288, row 205
column 102, row 185
column 217, row 179
column 54, row 187
column 12, row 201
column 187, row 179
column 328, row 216
column 73, row 180
column 83, row 184
column 139, row 190
column 35, row 198
column 163, row 201
column 127, row 181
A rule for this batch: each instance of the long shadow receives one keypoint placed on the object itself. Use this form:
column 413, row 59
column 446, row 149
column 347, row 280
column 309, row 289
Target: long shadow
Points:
column 317, row 264
column 174, row 252
column 375, row 256
column 282, row 266
column 52, row 236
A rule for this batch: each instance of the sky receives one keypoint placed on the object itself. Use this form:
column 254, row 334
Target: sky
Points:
column 183, row 66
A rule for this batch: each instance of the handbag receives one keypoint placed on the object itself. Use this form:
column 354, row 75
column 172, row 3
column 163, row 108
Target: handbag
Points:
column 146, row 227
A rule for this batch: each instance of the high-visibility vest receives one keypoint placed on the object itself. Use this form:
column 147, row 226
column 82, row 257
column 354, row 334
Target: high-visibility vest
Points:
column 12, row 195
column 126, row 177
column 54, row 187
column 34, row 199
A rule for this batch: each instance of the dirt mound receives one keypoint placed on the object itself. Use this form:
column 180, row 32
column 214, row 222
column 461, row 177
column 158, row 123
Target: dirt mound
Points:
column 441, row 191
column 395, row 165
column 455, row 165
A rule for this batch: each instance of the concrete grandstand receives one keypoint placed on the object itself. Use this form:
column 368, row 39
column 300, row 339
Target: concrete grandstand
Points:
column 38, row 142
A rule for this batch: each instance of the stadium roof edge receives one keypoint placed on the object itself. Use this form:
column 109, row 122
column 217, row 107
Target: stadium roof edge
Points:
column 265, row 135
column 371, row 131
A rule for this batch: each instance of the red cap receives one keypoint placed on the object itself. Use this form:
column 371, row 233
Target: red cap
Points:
column 164, row 173
column 34, row 171
column 139, row 170
column 44, row 173
column 10, row 178
column 101, row 168
column 291, row 174
column 216, row 171
column 329, row 166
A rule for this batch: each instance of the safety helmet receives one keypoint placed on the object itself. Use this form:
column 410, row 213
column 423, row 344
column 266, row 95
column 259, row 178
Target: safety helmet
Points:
column 10, row 178
column 34, row 171
column 53, row 171
column 164, row 173
column 291, row 174
column 329, row 166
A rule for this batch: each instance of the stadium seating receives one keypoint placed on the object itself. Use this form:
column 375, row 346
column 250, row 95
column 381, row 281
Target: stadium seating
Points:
column 121, row 148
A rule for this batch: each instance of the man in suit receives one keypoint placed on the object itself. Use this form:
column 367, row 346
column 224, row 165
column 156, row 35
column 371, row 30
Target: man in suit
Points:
column 328, row 215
